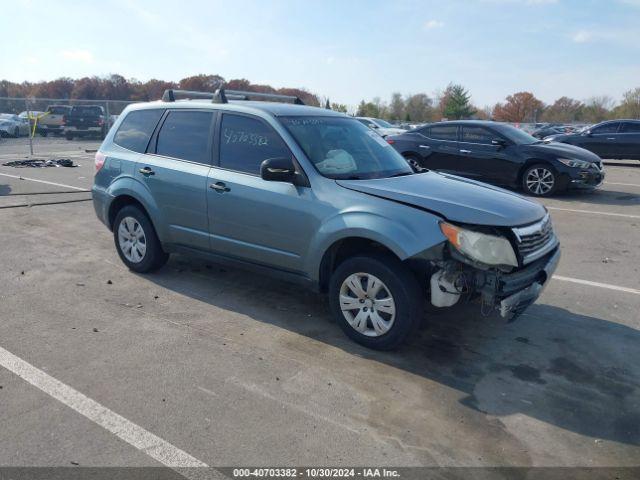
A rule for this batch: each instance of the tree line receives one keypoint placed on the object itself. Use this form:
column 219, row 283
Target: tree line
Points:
column 454, row 103
column 117, row 87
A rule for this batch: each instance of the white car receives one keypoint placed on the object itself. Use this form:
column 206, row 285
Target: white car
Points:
column 383, row 127
column 13, row 125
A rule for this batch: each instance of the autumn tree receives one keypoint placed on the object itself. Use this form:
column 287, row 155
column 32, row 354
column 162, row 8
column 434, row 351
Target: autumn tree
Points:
column 519, row 107
column 339, row 107
column 564, row 110
column 201, row 83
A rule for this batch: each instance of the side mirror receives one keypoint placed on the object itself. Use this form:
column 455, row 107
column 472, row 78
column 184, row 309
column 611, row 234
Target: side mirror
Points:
column 373, row 125
column 278, row 170
column 587, row 133
column 498, row 142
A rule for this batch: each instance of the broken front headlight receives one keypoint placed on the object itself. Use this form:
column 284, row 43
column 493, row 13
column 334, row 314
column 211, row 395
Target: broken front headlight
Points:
column 481, row 247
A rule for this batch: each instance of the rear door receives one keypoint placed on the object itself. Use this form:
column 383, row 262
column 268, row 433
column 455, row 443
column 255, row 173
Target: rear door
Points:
column 481, row 160
column 266, row 223
column 175, row 170
column 629, row 140
column 603, row 140
column 440, row 151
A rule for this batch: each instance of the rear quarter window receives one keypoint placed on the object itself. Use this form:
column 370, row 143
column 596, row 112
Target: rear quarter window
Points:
column 136, row 129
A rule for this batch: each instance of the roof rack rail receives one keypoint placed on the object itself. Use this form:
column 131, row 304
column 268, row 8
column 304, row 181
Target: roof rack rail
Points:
column 223, row 96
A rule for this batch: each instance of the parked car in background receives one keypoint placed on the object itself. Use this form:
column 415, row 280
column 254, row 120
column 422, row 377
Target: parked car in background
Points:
column 501, row 154
column 383, row 127
column 54, row 121
column 618, row 139
column 85, row 121
column 312, row 196
column 548, row 130
column 12, row 125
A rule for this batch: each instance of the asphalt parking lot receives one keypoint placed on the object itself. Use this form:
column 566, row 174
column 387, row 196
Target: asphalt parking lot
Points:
column 232, row 369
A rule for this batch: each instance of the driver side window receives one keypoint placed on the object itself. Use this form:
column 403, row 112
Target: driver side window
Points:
column 606, row 128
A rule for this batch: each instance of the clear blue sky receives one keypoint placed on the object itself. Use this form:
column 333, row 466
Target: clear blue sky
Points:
column 344, row 49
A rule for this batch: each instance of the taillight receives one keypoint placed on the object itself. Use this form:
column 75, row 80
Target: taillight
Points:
column 64, row 119
column 390, row 142
column 100, row 122
column 100, row 158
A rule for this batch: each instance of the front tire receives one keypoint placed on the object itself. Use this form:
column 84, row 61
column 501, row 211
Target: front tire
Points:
column 540, row 180
column 136, row 241
column 376, row 301
column 414, row 163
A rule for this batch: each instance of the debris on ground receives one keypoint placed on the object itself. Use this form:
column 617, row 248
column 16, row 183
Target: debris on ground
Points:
column 109, row 282
column 40, row 163
column 95, row 330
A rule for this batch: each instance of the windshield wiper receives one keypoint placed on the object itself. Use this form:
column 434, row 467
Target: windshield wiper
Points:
column 401, row 174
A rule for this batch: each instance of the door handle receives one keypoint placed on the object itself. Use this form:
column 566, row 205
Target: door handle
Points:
column 219, row 187
column 611, row 138
column 465, row 151
column 425, row 146
column 147, row 171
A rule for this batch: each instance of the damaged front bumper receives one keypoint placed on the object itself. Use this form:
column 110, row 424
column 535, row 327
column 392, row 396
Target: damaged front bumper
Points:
column 512, row 293
column 508, row 293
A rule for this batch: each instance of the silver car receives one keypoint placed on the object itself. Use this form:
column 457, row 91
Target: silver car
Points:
column 13, row 125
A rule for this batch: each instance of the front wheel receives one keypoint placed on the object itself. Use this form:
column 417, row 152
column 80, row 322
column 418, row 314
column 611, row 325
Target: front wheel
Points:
column 136, row 241
column 376, row 301
column 540, row 180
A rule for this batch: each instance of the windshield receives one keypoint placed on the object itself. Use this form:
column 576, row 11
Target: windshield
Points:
column 517, row 136
column 343, row 148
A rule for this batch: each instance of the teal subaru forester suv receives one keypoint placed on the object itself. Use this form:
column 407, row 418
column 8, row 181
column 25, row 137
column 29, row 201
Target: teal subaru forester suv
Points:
column 315, row 197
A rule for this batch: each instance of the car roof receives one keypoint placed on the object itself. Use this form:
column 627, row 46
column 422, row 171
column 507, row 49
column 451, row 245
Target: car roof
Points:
column 243, row 106
column 477, row 123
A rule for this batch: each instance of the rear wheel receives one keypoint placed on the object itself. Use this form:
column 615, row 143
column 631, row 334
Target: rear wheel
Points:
column 376, row 301
column 540, row 180
column 136, row 241
column 414, row 162
column 16, row 132
column 68, row 136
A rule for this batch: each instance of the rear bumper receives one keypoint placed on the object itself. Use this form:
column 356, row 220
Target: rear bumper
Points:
column 101, row 203
column 512, row 293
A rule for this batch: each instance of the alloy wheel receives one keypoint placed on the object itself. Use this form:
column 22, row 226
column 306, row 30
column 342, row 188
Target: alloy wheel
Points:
column 367, row 304
column 132, row 239
column 540, row 181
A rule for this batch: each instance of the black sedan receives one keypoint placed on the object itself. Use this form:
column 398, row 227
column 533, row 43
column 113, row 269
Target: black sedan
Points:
column 501, row 154
column 612, row 139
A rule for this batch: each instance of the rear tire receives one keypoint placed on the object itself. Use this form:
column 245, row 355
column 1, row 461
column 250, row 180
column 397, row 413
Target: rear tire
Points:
column 386, row 301
column 136, row 241
column 16, row 132
column 68, row 136
column 540, row 180
column 414, row 162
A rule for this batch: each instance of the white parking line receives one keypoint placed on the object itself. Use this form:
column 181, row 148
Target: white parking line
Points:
column 625, row 184
column 134, row 435
column 597, row 284
column 592, row 212
column 44, row 181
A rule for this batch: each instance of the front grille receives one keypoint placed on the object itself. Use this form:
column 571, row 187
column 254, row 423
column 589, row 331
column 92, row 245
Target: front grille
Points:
column 535, row 240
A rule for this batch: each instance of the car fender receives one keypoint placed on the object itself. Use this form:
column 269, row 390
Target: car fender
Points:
column 405, row 235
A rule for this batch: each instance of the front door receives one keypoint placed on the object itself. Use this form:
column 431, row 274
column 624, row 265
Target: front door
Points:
column 603, row 140
column 250, row 219
column 482, row 160
column 175, row 171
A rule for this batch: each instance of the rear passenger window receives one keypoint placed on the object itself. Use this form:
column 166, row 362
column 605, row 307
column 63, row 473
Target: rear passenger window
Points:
column 444, row 132
column 136, row 129
column 477, row 135
column 606, row 128
column 185, row 135
column 246, row 142
column 630, row 127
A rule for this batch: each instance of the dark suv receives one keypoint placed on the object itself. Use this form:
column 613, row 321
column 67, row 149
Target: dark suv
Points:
column 501, row 154
column 315, row 197
column 613, row 139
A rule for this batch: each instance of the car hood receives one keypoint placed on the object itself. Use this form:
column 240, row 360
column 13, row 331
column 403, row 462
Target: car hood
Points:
column 455, row 198
column 553, row 147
